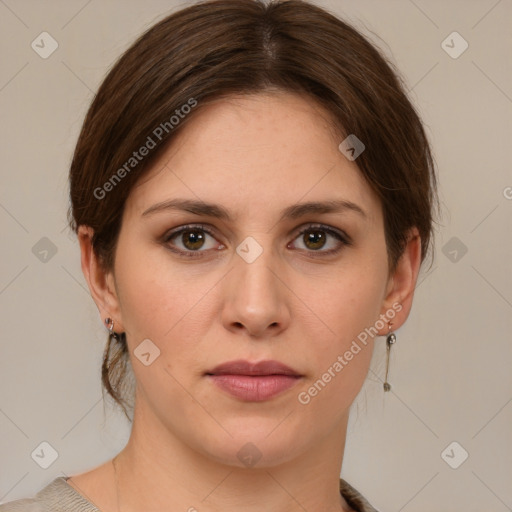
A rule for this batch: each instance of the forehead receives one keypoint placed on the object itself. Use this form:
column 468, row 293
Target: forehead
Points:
column 251, row 153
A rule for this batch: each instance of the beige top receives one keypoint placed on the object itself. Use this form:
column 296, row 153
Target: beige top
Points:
column 59, row 496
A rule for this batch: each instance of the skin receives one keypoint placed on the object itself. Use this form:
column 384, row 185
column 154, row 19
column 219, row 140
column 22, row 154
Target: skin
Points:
column 254, row 155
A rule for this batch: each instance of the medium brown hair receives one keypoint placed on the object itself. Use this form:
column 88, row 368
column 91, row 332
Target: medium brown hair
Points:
column 218, row 48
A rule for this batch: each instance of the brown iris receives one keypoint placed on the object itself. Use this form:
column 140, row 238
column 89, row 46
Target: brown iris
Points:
column 193, row 239
column 317, row 238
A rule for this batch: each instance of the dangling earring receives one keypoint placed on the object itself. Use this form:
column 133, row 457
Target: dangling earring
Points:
column 390, row 340
column 110, row 326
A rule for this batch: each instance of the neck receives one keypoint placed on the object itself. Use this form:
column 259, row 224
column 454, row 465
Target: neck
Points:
column 157, row 471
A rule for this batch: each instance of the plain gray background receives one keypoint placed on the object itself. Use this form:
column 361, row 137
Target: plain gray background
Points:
column 450, row 368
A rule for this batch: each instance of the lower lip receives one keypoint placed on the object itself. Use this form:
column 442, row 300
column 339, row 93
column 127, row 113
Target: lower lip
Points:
column 254, row 388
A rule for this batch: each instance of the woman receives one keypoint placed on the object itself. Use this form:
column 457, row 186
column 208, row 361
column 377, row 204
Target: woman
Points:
column 253, row 195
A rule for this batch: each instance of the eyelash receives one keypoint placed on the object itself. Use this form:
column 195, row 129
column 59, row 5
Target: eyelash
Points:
column 339, row 235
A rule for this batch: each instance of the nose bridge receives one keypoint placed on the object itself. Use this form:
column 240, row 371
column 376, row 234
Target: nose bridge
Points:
column 255, row 264
column 257, row 298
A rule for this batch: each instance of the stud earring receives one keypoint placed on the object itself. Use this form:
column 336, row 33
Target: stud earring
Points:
column 110, row 326
column 390, row 340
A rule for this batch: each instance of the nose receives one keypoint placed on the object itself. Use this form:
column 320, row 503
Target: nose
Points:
column 256, row 297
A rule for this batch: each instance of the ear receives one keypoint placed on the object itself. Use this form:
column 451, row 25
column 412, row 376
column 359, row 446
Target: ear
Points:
column 101, row 283
column 401, row 284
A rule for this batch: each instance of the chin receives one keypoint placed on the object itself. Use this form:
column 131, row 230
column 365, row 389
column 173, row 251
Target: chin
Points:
column 254, row 446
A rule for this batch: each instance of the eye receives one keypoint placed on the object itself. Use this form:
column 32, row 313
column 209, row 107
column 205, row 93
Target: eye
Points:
column 190, row 239
column 316, row 237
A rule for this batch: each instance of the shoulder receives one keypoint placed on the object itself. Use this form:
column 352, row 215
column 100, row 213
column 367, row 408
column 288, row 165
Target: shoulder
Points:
column 57, row 496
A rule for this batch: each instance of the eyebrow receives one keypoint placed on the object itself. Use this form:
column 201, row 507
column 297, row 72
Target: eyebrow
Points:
column 294, row 211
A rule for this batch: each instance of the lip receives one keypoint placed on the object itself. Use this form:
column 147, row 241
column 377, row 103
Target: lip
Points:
column 242, row 367
column 254, row 382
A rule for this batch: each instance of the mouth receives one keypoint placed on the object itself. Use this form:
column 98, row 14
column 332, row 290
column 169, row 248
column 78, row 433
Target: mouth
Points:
column 254, row 382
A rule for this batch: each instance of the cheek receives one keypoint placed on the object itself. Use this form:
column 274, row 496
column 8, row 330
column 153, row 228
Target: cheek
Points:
column 162, row 303
column 154, row 293
column 340, row 336
column 344, row 304
column 172, row 305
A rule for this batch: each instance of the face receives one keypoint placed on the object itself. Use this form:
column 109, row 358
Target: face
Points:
column 245, row 271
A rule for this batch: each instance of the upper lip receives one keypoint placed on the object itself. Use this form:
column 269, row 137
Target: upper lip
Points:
column 242, row 367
